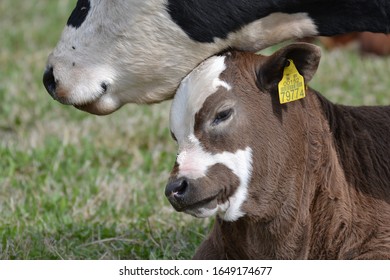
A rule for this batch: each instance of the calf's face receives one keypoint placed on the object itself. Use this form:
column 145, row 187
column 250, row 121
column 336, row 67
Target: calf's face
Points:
column 223, row 119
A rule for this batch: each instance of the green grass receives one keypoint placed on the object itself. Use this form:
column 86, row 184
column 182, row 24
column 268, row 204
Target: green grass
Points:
column 77, row 186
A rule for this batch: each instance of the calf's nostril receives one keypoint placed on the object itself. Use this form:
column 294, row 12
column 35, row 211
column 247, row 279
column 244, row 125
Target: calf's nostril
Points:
column 177, row 188
column 49, row 81
column 182, row 188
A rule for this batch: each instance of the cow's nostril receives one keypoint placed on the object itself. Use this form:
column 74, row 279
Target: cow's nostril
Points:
column 177, row 188
column 50, row 82
column 104, row 87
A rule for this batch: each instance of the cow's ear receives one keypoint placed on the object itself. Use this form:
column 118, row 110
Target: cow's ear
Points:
column 306, row 58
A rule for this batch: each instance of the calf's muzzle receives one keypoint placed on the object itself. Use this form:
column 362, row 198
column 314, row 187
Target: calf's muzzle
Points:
column 177, row 192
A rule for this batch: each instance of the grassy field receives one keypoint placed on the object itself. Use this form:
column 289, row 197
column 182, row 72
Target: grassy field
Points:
column 77, row 186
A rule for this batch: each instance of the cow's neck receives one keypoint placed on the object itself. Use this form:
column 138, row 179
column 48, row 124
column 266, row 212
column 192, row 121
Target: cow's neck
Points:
column 253, row 25
column 287, row 228
column 343, row 16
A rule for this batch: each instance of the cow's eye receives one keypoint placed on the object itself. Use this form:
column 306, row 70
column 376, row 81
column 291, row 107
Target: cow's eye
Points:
column 222, row 116
column 173, row 136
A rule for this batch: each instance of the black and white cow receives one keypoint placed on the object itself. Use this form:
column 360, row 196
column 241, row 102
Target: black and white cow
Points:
column 114, row 52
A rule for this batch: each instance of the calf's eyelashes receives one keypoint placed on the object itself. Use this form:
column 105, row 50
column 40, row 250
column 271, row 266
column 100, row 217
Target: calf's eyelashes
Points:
column 222, row 116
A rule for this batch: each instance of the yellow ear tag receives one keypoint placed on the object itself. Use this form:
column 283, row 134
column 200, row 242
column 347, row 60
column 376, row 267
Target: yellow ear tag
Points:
column 292, row 85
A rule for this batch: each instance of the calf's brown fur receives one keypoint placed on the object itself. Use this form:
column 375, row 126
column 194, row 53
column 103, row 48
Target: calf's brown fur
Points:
column 320, row 184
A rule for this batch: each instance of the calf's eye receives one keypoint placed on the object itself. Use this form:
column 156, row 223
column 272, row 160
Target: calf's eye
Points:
column 222, row 116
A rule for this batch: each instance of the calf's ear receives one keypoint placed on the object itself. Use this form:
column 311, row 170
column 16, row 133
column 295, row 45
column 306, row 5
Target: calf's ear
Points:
column 306, row 58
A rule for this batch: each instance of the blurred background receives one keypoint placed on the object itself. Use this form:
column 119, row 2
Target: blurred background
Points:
column 78, row 186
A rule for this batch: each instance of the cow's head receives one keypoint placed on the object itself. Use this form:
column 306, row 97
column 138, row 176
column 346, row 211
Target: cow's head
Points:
column 233, row 135
column 114, row 52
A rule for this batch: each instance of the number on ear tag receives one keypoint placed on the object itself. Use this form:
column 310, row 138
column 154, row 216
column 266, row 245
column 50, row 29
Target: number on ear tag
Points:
column 292, row 85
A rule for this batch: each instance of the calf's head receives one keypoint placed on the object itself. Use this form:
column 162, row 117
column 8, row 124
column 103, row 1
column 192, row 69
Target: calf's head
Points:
column 232, row 133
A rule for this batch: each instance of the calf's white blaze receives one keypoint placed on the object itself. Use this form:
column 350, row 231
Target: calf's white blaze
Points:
column 192, row 93
column 193, row 161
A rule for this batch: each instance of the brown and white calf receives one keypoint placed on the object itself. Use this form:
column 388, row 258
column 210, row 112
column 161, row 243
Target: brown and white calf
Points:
column 304, row 180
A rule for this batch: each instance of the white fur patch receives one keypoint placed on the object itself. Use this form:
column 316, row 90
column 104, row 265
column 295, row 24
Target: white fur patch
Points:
column 192, row 93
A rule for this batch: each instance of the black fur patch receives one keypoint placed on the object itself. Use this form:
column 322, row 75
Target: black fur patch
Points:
column 204, row 20
column 79, row 13
column 339, row 17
